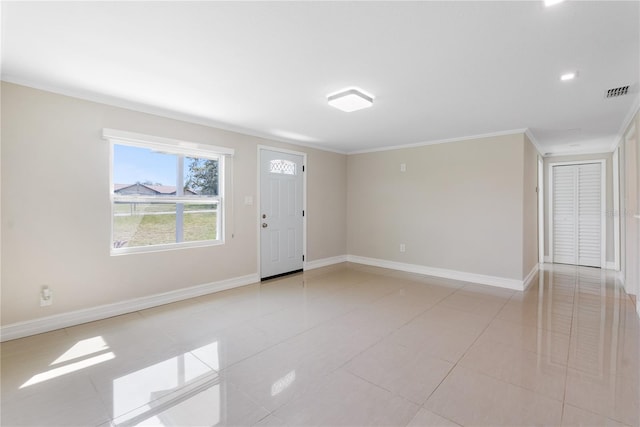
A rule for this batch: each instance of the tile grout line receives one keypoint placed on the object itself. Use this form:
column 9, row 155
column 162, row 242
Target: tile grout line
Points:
column 519, row 348
column 276, row 343
column 391, row 333
column 222, row 371
column 376, row 343
column 574, row 307
column 420, row 406
column 459, row 359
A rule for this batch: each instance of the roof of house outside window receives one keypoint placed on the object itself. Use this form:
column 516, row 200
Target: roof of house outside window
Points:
column 137, row 188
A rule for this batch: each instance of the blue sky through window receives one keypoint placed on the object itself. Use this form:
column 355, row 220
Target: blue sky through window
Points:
column 135, row 164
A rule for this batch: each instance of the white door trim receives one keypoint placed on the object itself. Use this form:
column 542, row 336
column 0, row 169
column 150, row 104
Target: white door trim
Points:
column 630, row 215
column 304, row 200
column 615, row 160
column 540, row 209
column 603, row 204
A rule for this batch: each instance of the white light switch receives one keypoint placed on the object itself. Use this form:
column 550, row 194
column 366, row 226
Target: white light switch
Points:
column 46, row 296
column 403, row 167
column 248, row 200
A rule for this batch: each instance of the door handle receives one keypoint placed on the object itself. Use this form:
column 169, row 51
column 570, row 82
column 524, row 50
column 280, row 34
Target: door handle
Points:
column 264, row 225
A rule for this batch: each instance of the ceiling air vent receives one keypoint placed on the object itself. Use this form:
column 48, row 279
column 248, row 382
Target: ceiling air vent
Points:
column 617, row 91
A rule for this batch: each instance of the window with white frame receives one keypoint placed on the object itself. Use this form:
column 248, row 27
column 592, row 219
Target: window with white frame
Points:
column 164, row 193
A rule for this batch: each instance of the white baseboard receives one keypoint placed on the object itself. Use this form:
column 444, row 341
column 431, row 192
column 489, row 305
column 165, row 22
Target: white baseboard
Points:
column 609, row 265
column 63, row 320
column 620, row 277
column 532, row 274
column 324, row 262
column 501, row 282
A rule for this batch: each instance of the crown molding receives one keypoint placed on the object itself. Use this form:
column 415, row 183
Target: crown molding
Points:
column 439, row 141
column 170, row 114
column 635, row 109
column 578, row 153
column 157, row 111
column 534, row 141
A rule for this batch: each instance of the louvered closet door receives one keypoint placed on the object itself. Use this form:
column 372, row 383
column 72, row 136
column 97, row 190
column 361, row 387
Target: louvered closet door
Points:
column 577, row 214
column 564, row 215
column 589, row 214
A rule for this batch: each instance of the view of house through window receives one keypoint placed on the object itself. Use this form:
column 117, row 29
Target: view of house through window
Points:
column 163, row 198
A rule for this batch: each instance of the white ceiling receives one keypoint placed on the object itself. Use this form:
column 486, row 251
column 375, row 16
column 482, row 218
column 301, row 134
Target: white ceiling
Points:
column 438, row 70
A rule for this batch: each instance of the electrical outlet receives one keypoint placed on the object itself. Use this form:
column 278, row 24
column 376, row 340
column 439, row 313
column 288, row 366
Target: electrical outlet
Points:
column 402, row 247
column 46, row 296
column 403, row 167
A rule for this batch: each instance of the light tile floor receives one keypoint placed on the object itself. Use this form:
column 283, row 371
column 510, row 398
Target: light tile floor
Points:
column 344, row 345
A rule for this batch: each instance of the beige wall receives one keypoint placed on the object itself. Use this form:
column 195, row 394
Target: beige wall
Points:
column 609, row 202
column 56, row 210
column 327, row 205
column 529, row 208
column 458, row 206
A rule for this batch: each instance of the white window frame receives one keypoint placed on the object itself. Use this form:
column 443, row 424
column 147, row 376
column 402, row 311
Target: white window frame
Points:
column 181, row 149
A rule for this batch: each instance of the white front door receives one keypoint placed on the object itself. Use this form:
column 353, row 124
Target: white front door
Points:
column 281, row 213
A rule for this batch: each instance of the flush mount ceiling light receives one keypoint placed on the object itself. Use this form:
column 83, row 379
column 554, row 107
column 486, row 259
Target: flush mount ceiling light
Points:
column 569, row 76
column 548, row 3
column 350, row 99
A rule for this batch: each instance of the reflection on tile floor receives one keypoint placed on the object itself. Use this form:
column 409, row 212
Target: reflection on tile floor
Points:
column 344, row 345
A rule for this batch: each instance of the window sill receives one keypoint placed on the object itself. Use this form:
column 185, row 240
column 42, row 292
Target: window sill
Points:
column 165, row 248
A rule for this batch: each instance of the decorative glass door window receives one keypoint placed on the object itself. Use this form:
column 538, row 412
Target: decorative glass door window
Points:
column 284, row 167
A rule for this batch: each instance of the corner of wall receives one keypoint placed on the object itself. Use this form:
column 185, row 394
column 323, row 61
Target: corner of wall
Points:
column 529, row 206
